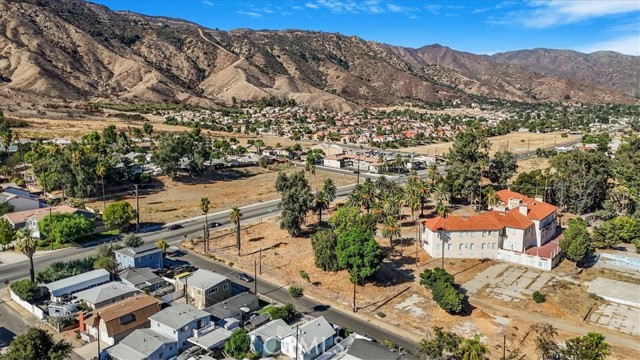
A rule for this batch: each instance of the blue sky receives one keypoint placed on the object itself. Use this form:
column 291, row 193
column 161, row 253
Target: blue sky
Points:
column 484, row 27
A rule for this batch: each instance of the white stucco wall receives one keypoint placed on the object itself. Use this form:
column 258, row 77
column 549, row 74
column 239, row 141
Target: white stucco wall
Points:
column 462, row 244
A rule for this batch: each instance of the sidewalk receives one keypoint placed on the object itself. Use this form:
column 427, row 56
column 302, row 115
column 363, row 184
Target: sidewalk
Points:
column 12, row 257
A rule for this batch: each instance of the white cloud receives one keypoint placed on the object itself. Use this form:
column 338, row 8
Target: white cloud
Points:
column 549, row 13
column 629, row 45
column 394, row 8
column 312, row 6
column 207, row 2
column 252, row 14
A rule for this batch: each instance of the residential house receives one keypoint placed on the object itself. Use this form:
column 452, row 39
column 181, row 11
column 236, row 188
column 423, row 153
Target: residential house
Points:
column 311, row 340
column 354, row 348
column 267, row 339
column 142, row 278
column 144, row 344
column 106, row 294
column 178, row 322
column 205, row 288
column 145, row 256
column 235, row 307
column 20, row 199
column 62, row 290
column 117, row 321
column 30, row 218
column 519, row 229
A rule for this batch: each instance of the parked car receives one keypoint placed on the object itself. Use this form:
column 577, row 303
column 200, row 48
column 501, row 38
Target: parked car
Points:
column 214, row 224
column 245, row 277
column 174, row 227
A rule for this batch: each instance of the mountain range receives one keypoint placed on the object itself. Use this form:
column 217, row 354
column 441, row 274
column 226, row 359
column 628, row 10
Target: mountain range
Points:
column 71, row 50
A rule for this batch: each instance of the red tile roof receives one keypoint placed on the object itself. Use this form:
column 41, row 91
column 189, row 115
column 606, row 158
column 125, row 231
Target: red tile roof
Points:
column 545, row 251
column 536, row 210
column 512, row 218
column 482, row 222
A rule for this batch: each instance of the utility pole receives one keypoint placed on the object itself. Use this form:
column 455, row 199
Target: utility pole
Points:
column 137, row 209
column 255, row 277
column 297, row 334
column 186, row 294
column 98, row 318
column 504, row 347
column 353, row 307
column 50, row 226
column 260, row 272
column 358, row 176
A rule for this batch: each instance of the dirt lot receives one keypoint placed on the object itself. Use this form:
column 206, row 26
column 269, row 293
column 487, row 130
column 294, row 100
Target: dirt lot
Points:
column 531, row 164
column 180, row 199
column 514, row 142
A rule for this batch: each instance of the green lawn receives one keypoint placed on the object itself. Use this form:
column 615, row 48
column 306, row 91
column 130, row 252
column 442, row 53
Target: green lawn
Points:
column 46, row 245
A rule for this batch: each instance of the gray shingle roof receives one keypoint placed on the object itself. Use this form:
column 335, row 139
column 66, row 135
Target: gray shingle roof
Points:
column 367, row 350
column 143, row 250
column 139, row 276
column 97, row 275
column 179, row 315
column 203, row 279
column 221, row 309
column 315, row 332
column 145, row 342
column 105, row 292
column 274, row 329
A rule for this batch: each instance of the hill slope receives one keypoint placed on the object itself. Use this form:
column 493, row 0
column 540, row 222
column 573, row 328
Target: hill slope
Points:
column 73, row 50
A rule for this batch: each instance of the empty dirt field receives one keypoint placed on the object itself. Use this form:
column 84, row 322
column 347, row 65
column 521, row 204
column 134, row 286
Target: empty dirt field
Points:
column 180, row 199
column 516, row 142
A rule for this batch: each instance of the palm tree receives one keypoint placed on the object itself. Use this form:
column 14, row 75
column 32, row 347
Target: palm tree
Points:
column 367, row 194
column 382, row 184
column 320, row 203
column 391, row 229
column 440, row 193
column 491, row 197
column 377, row 211
column 473, row 349
column 101, row 171
column 422, row 189
column 204, row 206
column 443, row 212
column 27, row 244
column 235, row 216
column 433, row 173
column 330, row 189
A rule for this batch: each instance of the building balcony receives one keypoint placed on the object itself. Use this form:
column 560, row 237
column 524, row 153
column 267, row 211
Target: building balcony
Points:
column 204, row 330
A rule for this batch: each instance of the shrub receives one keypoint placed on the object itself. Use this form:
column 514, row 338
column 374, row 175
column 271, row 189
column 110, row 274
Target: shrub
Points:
column 443, row 289
column 380, row 314
column 538, row 297
column 281, row 312
column 304, row 275
column 25, row 289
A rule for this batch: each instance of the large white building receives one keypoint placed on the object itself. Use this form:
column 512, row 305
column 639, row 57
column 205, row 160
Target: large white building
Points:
column 519, row 229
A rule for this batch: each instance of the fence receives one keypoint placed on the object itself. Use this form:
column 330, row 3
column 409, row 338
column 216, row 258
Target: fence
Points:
column 172, row 296
column 529, row 260
column 36, row 311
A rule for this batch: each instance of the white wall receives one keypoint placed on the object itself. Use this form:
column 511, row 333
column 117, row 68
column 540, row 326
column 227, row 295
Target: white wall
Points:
column 467, row 244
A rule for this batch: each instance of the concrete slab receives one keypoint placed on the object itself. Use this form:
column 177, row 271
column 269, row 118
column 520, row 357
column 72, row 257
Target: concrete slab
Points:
column 616, row 291
column 623, row 318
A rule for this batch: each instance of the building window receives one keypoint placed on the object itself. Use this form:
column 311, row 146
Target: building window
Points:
column 461, row 246
column 472, row 246
column 484, row 234
column 448, row 246
column 127, row 319
column 225, row 286
column 438, row 247
column 199, row 292
column 212, row 290
column 493, row 246
column 482, row 247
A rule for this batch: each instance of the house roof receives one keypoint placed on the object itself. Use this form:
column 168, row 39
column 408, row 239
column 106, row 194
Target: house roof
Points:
column 143, row 250
column 221, row 309
column 139, row 276
column 315, row 332
column 140, row 344
column 141, row 307
column 105, row 292
column 273, row 329
column 20, row 217
column 482, row 222
column 211, row 339
column 537, row 210
column 179, row 315
column 203, row 279
column 98, row 275
column 511, row 218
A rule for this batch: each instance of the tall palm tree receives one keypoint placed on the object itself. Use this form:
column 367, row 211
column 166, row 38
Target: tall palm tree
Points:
column 443, row 212
column 382, row 184
column 391, row 229
column 367, row 194
column 101, row 171
column 235, row 216
column 330, row 189
column 491, row 197
column 27, row 244
column 76, row 158
column 473, row 349
column 320, row 203
column 433, row 173
column 204, row 206
column 440, row 193
column 422, row 189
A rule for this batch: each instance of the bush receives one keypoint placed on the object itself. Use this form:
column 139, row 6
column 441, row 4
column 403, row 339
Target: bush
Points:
column 281, row 312
column 133, row 241
column 296, row 292
column 25, row 289
column 304, row 275
column 443, row 289
column 60, row 269
column 538, row 297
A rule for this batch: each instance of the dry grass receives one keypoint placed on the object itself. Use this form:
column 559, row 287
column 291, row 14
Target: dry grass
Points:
column 514, row 142
column 225, row 188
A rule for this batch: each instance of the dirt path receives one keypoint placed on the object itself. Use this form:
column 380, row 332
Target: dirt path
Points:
column 613, row 337
column 215, row 44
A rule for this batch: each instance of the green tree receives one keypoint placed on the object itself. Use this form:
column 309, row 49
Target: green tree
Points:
column 576, row 242
column 26, row 244
column 626, row 163
column 330, row 189
column 359, row 253
column 296, row 292
column 25, row 289
column 582, row 179
column 324, row 244
column 349, row 217
column 502, row 167
column 320, row 203
column 235, row 215
column 545, row 340
column 38, row 344
column 238, row 344
column 132, row 241
column 297, row 200
column 118, row 214
column 531, row 183
column 463, row 162
column 7, row 232
column 204, row 206
column 443, row 343
column 162, row 244
column 101, row 170
column 390, row 229
column 106, row 259
column 147, row 128
column 441, row 193
column 6, row 208
column 281, row 312
column 443, row 289
column 473, row 349
column 589, row 347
